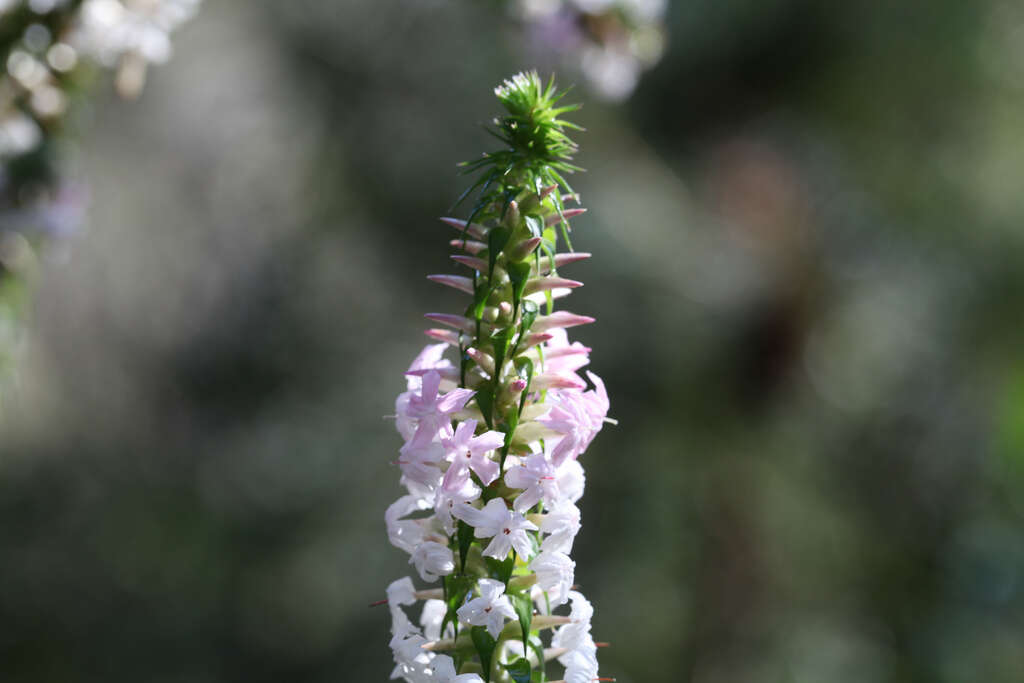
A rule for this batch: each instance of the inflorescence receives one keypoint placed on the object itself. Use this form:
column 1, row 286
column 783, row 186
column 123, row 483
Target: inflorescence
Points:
column 492, row 440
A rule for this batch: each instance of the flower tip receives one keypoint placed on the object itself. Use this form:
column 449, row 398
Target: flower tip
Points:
column 457, row 321
column 459, row 282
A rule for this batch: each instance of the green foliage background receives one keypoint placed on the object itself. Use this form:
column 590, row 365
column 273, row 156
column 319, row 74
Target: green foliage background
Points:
column 808, row 274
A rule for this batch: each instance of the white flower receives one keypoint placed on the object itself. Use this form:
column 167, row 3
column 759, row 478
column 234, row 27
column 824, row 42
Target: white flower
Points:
column 432, row 560
column 445, row 503
column 508, row 528
column 570, row 480
column 405, row 533
column 537, row 477
column 443, row 669
column 561, row 524
column 432, row 617
column 575, row 636
column 554, row 574
column 401, row 592
column 580, row 666
column 420, row 458
column 490, row 609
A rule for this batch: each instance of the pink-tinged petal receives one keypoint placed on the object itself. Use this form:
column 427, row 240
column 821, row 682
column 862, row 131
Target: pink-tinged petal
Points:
column 455, row 478
column 474, row 229
column 431, row 382
column 551, row 353
column 519, row 477
column 559, row 319
column 533, row 339
column 527, row 499
column 454, row 400
column 599, row 386
column 457, row 321
column 471, row 261
column 450, row 374
column 488, row 441
column 543, row 284
column 430, row 357
column 459, row 282
column 557, row 380
column 469, row 514
column 567, row 214
column 469, row 246
column 463, row 433
column 447, row 336
column 486, row 469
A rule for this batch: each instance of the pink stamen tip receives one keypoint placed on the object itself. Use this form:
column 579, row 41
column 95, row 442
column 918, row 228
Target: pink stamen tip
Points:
column 378, row 603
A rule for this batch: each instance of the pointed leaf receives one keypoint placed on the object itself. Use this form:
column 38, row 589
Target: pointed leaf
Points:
column 523, row 606
column 519, row 670
column 501, row 570
column 484, row 644
column 465, row 533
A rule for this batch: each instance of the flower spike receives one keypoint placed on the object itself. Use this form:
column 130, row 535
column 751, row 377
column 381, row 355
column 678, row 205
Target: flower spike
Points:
column 493, row 438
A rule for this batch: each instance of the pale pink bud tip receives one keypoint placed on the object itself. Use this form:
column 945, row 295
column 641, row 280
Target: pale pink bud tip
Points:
column 547, row 190
column 559, row 319
column 459, row 282
column 456, row 321
column 570, row 257
column 481, row 358
column 471, row 246
column 471, row 228
column 543, row 284
column 567, row 214
column 447, row 336
column 517, row 386
column 471, row 261
column 535, row 338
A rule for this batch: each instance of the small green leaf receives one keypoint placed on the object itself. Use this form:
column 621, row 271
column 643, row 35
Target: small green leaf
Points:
column 497, row 238
column 519, row 670
column 465, row 533
column 501, row 570
column 523, row 606
column 484, row 644
column 519, row 274
column 500, row 339
column 476, row 309
column 485, row 399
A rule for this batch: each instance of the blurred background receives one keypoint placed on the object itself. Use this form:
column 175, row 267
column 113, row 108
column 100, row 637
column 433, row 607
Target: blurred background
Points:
column 808, row 276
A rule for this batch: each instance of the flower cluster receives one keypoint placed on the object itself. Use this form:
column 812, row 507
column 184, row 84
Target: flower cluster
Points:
column 493, row 438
